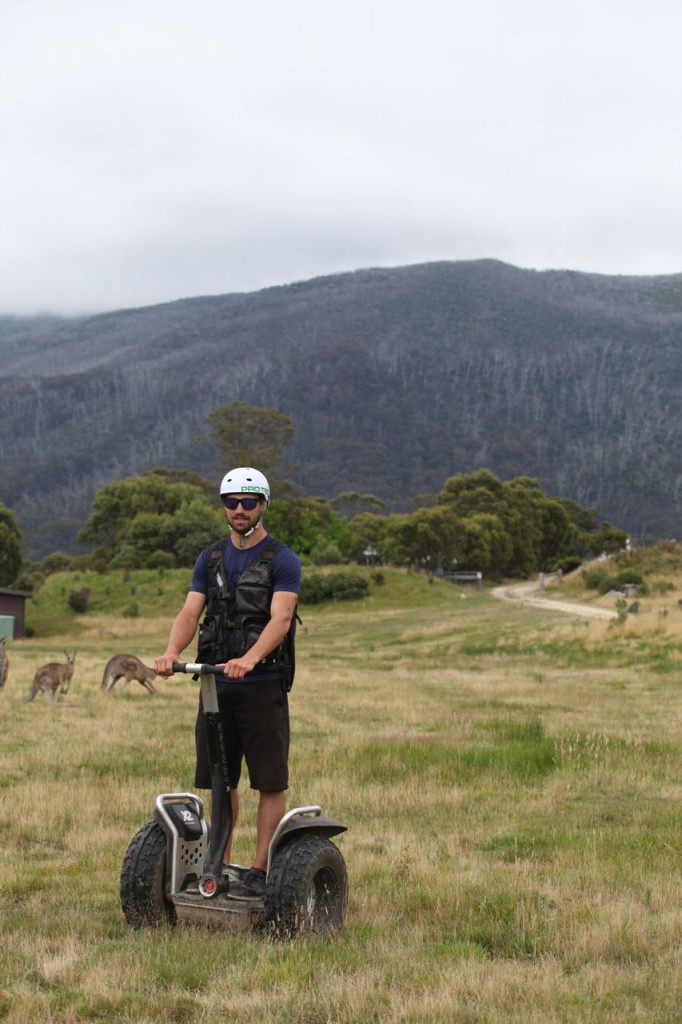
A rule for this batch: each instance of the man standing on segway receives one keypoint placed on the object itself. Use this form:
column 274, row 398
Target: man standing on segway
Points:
column 248, row 584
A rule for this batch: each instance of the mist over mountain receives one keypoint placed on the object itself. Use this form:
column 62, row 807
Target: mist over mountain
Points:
column 395, row 379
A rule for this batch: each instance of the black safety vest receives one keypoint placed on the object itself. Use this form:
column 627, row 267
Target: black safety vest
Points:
column 234, row 620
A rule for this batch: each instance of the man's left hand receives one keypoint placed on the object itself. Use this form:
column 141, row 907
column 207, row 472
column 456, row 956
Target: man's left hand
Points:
column 237, row 668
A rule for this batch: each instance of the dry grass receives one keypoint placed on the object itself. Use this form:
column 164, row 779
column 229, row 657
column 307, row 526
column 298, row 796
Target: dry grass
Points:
column 511, row 783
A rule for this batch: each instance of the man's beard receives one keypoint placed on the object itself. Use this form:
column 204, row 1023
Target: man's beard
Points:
column 243, row 527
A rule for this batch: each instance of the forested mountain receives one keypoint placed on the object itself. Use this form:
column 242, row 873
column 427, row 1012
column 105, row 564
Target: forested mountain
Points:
column 395, row 379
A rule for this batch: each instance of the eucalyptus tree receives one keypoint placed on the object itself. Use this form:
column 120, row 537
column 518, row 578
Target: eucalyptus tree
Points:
column 538, row 529
column 11, row 548
column 135, row 519
column 247, row 435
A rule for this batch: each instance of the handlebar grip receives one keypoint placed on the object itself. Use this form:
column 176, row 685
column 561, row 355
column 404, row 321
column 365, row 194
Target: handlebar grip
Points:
column 195, row 668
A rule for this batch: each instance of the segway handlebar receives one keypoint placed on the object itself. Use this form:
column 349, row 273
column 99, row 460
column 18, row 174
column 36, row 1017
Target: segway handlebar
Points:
column 196, row 668
column 213, row 881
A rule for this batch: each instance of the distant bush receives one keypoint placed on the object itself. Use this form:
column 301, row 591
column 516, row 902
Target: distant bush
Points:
column 161, row 560
column 340, row 586
column 325, row 552
column 81, row 562
column 32, row 581
column 568, row 564
column 58, row 561
column 378, row 578
column 592, row 578
column 662, row 586
column 78, row 600
column 628, row 576
column 603, row 582
column 132, row 611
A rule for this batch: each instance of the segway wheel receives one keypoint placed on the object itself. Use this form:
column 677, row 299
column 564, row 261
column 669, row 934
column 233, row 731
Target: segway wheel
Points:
column 307, row 888
column 143, row 897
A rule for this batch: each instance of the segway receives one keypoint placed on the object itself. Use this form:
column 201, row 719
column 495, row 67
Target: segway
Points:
column 173, row 870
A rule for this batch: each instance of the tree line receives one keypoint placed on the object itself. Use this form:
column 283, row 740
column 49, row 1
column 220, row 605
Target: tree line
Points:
column 163, row 518
column 504, row 529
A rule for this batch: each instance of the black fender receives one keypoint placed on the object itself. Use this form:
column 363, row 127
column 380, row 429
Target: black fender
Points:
column 309, row 820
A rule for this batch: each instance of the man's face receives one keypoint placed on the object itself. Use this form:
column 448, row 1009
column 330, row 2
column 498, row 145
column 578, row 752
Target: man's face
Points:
column 242, row 519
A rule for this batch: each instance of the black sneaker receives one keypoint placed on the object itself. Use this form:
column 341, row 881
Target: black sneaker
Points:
column 251, row 886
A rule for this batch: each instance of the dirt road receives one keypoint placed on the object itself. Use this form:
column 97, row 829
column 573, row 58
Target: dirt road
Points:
column 530, row 593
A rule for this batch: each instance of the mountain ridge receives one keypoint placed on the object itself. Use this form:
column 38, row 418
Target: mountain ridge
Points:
column 395, row 378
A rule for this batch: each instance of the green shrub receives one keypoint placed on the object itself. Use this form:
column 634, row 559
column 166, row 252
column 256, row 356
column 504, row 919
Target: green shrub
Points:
column 58, row 561
column 161, row 560
column 340, row 586
column 592, row 578
column 603, row 582
column 662, row 586
column 32, row 581
column 81, row 562
column 568, row 564
column 628, row 577
column 78, row 600
column 325, row 552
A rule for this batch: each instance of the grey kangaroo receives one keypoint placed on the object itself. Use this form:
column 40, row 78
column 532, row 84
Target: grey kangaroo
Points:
column 130, row 667
column 53, row 679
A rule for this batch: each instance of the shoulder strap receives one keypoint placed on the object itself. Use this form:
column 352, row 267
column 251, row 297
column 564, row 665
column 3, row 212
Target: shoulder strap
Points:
column 272, row 546
column 216, row 549
column 217, row 576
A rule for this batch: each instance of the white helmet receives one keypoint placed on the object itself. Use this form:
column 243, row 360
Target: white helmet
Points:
column 245, row 480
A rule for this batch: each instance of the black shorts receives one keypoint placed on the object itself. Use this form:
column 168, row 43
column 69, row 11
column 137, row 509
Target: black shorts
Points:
column 255, row 720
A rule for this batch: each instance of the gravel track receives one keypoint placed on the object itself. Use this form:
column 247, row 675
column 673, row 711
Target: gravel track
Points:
column 528, row 593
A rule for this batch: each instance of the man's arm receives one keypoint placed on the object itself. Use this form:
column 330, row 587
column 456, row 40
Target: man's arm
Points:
column 281, row 613
column 182, row 632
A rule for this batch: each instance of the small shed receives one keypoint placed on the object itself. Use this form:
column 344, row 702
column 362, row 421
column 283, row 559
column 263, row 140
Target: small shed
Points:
column 12, row 613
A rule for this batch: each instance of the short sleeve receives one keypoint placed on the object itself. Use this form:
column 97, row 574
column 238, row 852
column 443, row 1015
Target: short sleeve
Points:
column 286, row 572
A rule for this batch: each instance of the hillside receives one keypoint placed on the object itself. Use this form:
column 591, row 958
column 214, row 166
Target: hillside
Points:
column 394, row 378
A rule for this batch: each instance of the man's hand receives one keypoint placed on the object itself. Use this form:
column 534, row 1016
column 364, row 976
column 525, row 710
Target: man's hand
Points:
column 164, row 664
column 237, row 668
column 281, row 611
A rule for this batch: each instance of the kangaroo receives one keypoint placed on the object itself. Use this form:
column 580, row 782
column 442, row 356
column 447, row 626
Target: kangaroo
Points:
column 130, row 667
column 53, row 679
column 4, row 663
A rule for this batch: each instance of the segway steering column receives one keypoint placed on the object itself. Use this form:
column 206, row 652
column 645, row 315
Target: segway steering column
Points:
column 213, row 881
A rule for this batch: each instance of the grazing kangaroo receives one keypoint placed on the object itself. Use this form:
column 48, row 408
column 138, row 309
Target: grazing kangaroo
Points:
column 4, row 662
column 53, row 679
column 130, row 667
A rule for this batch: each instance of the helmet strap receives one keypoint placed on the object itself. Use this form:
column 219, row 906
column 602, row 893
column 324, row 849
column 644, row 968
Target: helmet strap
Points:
column 243, row 536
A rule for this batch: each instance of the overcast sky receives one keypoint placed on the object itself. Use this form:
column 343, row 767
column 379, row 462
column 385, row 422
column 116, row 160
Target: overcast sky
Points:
column 159, row 149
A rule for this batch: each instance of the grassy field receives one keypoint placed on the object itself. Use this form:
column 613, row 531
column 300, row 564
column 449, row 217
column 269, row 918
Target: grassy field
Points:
column 511, row 782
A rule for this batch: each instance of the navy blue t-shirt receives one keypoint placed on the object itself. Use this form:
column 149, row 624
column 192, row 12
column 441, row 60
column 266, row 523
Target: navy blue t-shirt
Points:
column 286, row 576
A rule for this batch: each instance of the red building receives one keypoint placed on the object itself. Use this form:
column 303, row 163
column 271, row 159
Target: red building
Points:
column 12, row 613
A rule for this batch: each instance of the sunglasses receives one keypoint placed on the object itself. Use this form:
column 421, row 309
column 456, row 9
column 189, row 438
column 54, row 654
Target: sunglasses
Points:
column 248, row 504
